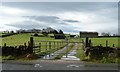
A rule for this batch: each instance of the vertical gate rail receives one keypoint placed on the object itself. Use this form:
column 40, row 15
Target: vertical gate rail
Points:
column 48, row 47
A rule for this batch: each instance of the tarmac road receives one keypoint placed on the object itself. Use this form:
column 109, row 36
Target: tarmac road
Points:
column 56, row 65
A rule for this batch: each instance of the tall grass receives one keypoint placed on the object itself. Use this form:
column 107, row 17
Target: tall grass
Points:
column 80, row 53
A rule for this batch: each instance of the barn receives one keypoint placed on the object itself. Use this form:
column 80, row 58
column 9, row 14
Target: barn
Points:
column 89, row 34
column 59, row 36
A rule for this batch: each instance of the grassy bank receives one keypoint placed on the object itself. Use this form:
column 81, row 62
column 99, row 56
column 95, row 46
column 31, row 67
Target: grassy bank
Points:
column 80, row 53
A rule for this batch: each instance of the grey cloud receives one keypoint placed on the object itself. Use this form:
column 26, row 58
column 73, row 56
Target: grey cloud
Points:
column 71, row 21
column 68, row 28
column 27, row 25
column 54, row 7
column 63, row 6
column 30, row 25
column 111, row 30
column 47, row 19
column 51, row 19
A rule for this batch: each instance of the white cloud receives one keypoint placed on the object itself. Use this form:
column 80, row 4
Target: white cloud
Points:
column 104, row 19
column 10, row 11
column 7, row 28
column 10, row 19
column 93, row 21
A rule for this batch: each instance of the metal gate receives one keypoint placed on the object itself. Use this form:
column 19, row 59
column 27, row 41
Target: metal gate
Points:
column 51, row 49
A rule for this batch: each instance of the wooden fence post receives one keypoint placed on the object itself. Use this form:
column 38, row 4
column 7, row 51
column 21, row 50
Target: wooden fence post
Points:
column 100, row 44
column 87, row 41
column 113, row 45
column 46, row 47
column 4, row 44
column 25, row 46
column 106, row 43
column 15, row 50
column 39, row 47
column 31, row 45
column 83, row 45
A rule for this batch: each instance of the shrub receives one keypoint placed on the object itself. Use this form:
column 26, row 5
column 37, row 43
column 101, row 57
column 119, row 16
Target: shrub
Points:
column 10, row 57
column 36, row 34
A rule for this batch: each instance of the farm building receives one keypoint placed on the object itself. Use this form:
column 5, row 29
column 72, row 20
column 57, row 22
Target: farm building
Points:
column 72, row 35
column 88, row 34
column 59, row 36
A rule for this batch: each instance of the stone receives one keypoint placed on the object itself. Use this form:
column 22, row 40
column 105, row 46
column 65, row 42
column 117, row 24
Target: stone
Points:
column 29, row 56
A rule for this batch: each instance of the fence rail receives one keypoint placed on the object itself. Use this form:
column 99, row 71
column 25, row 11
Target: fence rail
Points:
column 36, row 47
column 48, row 46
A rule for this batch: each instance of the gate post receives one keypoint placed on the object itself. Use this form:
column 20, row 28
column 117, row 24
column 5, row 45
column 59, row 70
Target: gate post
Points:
column 87, row 41
column 31, row 45
column 83, row 45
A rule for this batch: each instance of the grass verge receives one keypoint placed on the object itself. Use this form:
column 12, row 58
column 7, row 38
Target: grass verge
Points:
column 80, row 53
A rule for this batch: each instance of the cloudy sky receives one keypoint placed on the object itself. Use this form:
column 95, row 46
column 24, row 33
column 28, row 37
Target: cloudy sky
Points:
column 71, row 17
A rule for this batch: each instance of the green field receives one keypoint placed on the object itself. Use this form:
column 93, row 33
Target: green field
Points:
column 111, row 41
column 3, row 34
column 102, row 40
column 98, row 41
column 20, row 39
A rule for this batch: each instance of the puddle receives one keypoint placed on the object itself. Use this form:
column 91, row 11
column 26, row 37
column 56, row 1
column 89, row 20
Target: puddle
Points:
column 70, row 55
column 54, row 54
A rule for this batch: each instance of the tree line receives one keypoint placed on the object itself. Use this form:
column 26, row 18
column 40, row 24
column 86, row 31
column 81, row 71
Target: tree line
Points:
column 47, row 30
